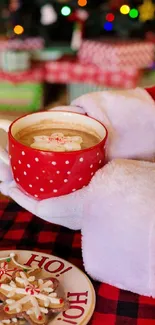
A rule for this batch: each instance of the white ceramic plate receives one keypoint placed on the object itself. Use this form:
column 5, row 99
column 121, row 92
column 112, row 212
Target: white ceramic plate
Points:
column 74, row 285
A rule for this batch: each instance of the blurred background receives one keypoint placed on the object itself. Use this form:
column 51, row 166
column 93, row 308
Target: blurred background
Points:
column 52, row 51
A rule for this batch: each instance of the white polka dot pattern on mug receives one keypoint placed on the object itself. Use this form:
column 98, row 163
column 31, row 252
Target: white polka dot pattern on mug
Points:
column 36, row 175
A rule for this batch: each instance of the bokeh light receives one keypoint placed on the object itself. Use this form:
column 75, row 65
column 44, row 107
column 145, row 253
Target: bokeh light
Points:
column 18, row 29
column 14, row 5
column 66, row 11
column 108, row 26
column 82, row 3
column 133, row 13
column 110, row 17
column 124, row 9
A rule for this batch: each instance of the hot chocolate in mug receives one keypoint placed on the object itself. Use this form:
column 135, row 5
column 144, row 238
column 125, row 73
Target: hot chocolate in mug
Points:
column 54, row 153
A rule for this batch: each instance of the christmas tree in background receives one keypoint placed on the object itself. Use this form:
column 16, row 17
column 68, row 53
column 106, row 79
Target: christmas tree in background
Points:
column 55, row 20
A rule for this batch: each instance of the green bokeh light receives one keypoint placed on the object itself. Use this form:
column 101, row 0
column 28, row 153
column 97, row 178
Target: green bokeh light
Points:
column 66, row 11
column 133, row 13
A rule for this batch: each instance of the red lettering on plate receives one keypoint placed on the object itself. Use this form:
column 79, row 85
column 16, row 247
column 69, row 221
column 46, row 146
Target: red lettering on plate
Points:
column 51, row 266
column 75, row 311
column 56, row 268
column 77, row 297
column 80, row 311
column 66, row 270
column 33, row 258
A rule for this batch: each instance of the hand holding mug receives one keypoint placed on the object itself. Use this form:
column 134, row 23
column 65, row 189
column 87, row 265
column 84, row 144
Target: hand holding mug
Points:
column 40, row 175
column 109, row 107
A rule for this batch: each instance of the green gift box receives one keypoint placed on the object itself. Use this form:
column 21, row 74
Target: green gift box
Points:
column 25, row 96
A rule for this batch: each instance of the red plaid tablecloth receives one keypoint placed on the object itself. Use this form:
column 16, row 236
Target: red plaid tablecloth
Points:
column 19, row 229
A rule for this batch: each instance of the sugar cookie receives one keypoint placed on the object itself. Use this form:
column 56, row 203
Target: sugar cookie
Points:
column 31, row 298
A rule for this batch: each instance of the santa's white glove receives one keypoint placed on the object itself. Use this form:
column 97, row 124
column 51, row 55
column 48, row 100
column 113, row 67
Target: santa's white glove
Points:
column 130, row 119
column 129, row 116
column 66, row 210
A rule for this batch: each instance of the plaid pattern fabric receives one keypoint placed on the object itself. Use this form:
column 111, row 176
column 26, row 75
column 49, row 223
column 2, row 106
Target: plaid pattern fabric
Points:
column 19, row 229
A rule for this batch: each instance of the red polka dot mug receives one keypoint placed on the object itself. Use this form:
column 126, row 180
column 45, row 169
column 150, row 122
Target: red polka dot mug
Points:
column 44, row 174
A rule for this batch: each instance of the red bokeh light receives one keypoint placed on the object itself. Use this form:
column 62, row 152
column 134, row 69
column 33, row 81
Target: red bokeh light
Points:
column 110, row 17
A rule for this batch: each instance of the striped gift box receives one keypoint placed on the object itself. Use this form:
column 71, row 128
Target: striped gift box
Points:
column 24, row 97
column 21, row 91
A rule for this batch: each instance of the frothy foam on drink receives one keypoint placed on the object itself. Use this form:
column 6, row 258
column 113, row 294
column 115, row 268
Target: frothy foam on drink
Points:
column 57, row 142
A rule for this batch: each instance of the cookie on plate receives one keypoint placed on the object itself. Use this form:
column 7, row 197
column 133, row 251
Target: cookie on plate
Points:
column 32, row 298
column 9, row 264
column 5, row 319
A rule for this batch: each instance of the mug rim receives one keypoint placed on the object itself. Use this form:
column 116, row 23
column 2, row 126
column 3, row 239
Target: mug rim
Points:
column 57, row 152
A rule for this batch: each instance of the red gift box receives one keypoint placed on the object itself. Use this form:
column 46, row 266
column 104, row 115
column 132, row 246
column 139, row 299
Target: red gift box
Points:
column 139, row 54
column 76, row 72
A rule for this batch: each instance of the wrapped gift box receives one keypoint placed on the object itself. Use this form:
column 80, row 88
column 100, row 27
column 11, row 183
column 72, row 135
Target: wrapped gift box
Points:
column 29, row 44
column 76, row 90
column 68, row 72
column 21, row 91
column 139, row 54
column 15, row 60
column 8, row 48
